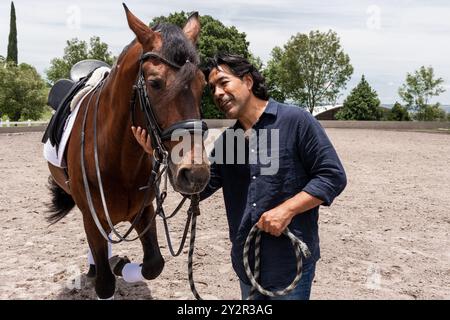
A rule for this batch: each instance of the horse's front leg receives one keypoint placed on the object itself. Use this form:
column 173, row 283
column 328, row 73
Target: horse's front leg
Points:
column 153, row 263
column 105, row 281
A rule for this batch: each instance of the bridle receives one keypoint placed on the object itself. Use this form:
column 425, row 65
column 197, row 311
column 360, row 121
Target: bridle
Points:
column 159, row 136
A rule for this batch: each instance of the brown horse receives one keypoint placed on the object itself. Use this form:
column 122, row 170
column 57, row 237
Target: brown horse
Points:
column 165, row 60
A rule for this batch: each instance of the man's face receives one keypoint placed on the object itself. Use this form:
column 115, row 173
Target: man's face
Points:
column 231, row 94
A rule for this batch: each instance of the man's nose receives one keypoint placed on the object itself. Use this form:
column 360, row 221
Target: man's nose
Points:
column 218, row 93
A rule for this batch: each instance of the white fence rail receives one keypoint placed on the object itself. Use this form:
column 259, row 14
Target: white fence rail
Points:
column 29, row 123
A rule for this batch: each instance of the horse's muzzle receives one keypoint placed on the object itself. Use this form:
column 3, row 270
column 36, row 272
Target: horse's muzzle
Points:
column 191, row 179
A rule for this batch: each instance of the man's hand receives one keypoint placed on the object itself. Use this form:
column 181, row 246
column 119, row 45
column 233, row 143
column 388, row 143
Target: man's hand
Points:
column 275, row 221
column 143, row 139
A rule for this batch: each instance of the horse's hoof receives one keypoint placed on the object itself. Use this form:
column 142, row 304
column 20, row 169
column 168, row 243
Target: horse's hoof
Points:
column 117, row 263
column 153, row 268
column 92, row 272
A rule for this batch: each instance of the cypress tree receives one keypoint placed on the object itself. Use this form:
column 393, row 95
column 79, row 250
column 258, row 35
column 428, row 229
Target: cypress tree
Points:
column 12, row 41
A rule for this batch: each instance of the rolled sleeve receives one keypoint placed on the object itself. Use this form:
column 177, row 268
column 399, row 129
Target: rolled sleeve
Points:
column 328, row 178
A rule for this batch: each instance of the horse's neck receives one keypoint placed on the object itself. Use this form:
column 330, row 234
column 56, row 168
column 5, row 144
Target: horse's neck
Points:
column 117, row 95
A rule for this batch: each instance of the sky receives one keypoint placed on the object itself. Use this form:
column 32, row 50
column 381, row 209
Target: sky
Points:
column 384, row 39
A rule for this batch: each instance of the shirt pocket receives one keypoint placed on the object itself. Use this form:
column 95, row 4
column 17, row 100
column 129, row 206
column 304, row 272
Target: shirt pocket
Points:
column 282, row 178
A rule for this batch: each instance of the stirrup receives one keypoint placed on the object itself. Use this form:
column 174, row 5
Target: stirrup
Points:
column 117, row 263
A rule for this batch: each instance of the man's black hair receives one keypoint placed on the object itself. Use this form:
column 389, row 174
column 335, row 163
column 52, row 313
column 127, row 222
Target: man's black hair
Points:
column 240, row 67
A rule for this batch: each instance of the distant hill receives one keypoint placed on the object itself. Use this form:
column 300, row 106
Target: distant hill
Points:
column 445, row 107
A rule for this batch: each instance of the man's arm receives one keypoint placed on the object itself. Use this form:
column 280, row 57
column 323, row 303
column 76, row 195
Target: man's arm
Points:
column 327, row 174
column 320, row 159
column 276, row 220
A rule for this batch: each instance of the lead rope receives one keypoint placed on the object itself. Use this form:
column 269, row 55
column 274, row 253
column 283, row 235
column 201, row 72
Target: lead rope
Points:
column 194, row 212
column 299, row 247
column 161, row 194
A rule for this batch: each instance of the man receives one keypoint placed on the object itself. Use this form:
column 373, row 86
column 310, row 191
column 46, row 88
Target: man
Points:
column 308, row 174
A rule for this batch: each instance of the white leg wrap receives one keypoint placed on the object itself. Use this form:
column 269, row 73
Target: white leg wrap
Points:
column 132, row 272
column 91, row 257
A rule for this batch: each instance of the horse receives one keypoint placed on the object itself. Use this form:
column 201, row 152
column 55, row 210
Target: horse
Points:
column 160, row 68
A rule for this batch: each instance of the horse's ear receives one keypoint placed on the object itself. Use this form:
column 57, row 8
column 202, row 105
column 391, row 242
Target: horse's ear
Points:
column 192, row 27
column 144, row 34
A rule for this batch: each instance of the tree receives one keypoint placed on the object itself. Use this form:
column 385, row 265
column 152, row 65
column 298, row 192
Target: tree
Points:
column 417, row 92
column 215, row 37
column 420, row 87
column 272, row 74
column 99, row 50
column 399, row 113
column 431, row 113
column 75, row 51
column 12, row 40
column 23, row 93
column 311, row 69
column 361, row 104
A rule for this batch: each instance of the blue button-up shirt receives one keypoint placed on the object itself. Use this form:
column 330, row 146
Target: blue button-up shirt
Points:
column 307, row 162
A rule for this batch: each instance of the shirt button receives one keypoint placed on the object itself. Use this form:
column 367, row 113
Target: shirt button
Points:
column 254, row 177
column 254, row 205
column 253, row 150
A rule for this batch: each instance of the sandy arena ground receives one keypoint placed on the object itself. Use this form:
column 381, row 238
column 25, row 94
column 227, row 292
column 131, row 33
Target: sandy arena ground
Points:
column 386, row 237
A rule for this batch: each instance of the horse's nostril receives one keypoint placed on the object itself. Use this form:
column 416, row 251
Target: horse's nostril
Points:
column 186, row 174
column 194, row 175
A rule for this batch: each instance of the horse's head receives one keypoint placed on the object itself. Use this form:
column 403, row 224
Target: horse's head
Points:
column 174, row 86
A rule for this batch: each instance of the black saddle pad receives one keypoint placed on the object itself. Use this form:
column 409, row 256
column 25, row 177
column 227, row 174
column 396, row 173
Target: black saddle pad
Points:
column 55, row 128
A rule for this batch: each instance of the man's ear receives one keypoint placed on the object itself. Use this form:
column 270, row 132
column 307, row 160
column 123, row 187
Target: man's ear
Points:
column 248, row 80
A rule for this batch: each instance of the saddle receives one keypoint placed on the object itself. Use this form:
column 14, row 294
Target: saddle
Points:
column 62, row 94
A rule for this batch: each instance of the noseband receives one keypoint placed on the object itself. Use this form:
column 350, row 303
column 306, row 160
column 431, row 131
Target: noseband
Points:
column 157, row 134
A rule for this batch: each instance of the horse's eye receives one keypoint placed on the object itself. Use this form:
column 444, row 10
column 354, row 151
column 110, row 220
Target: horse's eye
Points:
column 155, row 84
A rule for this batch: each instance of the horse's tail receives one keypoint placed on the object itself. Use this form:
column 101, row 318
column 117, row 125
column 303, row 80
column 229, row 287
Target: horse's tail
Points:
column 61, row 204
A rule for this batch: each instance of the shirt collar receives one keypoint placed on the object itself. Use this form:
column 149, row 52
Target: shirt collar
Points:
column 271, row 109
